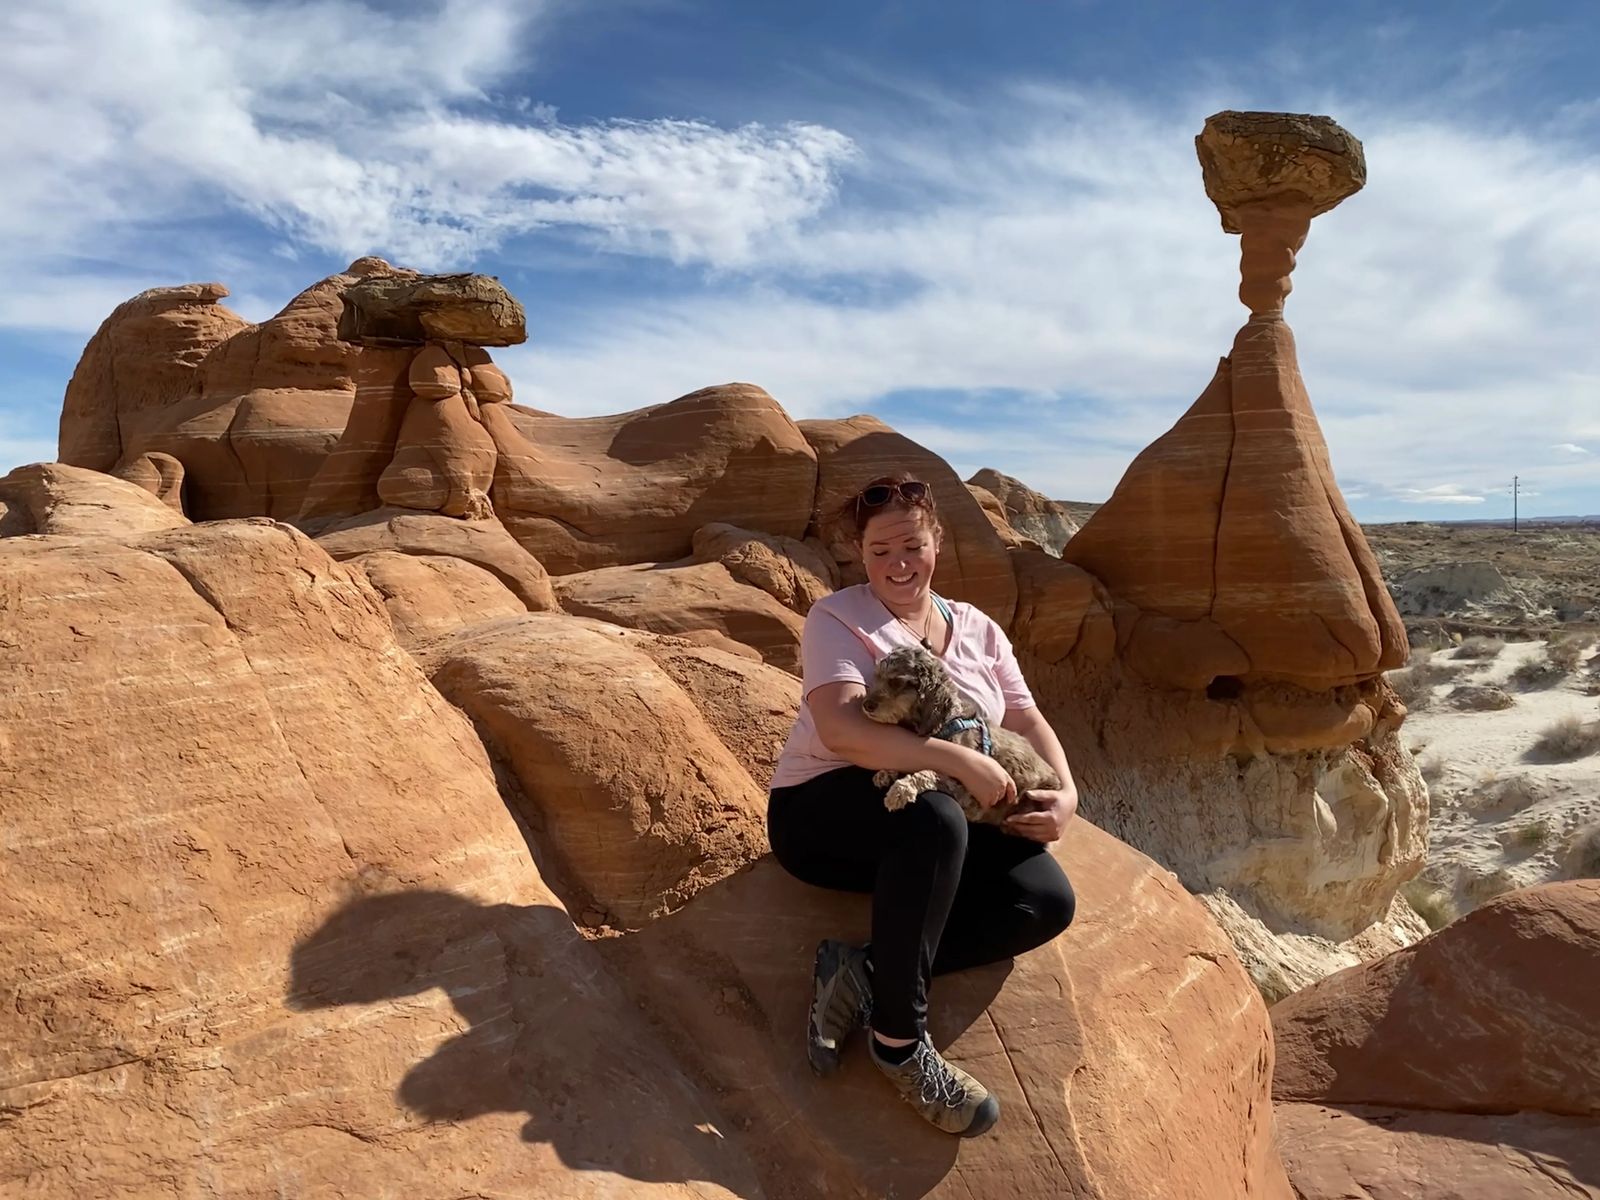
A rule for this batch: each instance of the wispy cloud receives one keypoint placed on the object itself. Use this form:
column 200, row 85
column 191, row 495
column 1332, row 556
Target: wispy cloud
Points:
column 352, row 131
column 1570, row 448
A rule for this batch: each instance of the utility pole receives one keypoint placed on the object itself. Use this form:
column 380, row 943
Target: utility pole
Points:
column 1514, row 488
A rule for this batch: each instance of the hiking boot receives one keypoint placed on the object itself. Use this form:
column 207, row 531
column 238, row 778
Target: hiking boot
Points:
column 945, row 1095
column 841, row 1002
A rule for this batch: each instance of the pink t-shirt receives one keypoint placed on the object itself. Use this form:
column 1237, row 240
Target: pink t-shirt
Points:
column 847, row 632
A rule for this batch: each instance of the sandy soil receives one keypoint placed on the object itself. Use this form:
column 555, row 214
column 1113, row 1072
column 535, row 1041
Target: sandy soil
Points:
column 1503, row 815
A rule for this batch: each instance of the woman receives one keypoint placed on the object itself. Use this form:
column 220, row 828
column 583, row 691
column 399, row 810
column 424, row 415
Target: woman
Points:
column 945, row 894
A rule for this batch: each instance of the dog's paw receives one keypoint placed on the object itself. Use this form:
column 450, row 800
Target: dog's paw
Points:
column 900, row 795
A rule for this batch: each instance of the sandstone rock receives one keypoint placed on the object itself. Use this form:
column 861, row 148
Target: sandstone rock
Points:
column 268, row 924
column 1079, row 1040
column 52, row 498
column 1292, row 159
column 1061, row 609
column 973, row 565
column 1249, row 547
column 142, row 358
column 637, row 802
column 484, row 544
column 604, row 491
column 794, row 573
column 750, row 706
column 159, row 474
column 1494, row 1013
column 1402, row 1154
column 443, row 461
column 1312, row 841
column 256, row 414
column 685, row 599
column 995, row 511
column 430, row 595
column 408, row 310
column 1036, row 517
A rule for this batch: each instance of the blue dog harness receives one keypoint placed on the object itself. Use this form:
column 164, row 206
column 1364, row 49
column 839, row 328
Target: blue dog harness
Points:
column 957, row 724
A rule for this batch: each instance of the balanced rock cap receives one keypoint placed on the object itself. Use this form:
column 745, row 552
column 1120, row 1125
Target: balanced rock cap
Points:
column 1296, row 158
column 409, row 310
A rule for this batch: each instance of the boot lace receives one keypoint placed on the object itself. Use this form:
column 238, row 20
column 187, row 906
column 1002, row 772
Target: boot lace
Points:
column 936, row 1082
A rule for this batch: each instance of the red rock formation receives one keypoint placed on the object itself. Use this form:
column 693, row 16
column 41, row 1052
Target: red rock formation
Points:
column 484, row 544
column 796, row 574
column 1251, row 566
column 1389, row 1072
column 1036, row 517
column 606, row 491
column 1494, row 1013
column 1235, row 725
column 271, row 927
column 53, row 498
column 143, row 357
column 686, row 599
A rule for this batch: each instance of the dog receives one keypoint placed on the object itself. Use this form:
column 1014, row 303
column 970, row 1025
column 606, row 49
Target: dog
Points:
column 912, row 689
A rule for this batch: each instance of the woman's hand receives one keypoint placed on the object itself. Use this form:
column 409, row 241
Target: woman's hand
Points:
column 1047, row 817
column 985, row 779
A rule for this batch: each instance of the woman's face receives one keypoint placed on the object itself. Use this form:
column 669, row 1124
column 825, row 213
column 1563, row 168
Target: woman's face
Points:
column 899, row 549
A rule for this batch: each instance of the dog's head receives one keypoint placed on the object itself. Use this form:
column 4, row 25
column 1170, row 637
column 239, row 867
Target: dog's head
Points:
column 911, row 688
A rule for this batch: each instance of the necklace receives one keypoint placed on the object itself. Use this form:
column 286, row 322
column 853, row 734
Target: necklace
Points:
column 927, row 625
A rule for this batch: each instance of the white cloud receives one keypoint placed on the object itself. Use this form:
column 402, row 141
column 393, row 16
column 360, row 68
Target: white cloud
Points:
column 357, row 132
column 1442, row 493
column 1570, row 448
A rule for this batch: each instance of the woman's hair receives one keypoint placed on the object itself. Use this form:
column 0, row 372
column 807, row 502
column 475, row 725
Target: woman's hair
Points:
column 853, row 514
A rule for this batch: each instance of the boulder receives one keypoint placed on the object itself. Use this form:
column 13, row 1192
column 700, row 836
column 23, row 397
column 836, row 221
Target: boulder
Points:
column 749, row 706
column 605, row 491
column 686, row 599
column 159, row 474
column 1290, row 159
column 483, row 543
column 269, row 929
column 409, row 310
column 1130, row 1056
column 1494, row 1013
column 1401, row 1154
column 637, row 802
column 973, row 565
column 794, row 573
column 1466, row 1066
column 1041, row 520
column 326, row 955
column 53, row 498
column 143, row 358
column 427, row 595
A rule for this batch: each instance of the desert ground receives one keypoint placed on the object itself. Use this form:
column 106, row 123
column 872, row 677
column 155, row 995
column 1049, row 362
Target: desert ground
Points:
column 1504, row 695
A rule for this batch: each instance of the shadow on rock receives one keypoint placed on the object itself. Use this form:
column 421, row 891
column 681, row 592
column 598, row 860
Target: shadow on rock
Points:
column 727, row 982
column 548, row 1033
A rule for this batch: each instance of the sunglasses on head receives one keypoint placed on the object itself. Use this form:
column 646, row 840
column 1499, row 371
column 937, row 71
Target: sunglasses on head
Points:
column 912, row 491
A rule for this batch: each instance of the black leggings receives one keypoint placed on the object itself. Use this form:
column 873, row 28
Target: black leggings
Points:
column 945, row 894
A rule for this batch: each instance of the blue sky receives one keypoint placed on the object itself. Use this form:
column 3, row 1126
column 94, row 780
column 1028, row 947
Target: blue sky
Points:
column 982, row 223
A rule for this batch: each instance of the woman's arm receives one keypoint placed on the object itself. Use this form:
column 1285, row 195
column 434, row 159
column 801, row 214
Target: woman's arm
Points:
column 1047, row 824
column 844, row 729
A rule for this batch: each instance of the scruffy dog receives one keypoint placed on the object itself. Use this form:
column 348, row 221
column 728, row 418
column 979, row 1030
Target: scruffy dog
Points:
column 911, row 688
